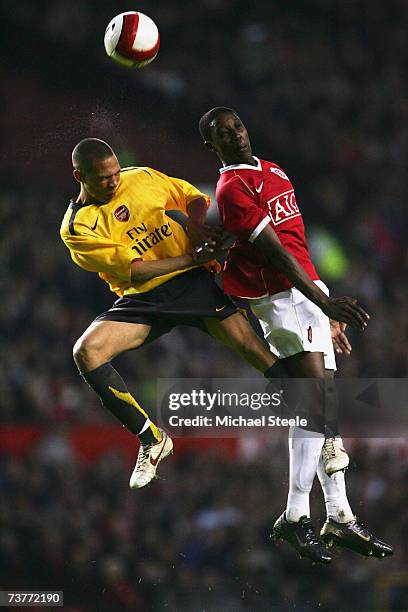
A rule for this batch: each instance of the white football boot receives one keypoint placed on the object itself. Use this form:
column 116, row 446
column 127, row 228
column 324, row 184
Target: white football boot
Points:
column 334, row 457
column 148, row 459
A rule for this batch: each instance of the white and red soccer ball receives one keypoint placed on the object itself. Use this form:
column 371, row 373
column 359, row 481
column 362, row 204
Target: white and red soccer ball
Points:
column 132, row 39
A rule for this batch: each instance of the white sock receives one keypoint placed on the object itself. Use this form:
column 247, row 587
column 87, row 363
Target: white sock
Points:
column 335, row 496
column 305, row 448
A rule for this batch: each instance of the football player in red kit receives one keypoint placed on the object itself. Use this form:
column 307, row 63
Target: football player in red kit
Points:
column 269, row 263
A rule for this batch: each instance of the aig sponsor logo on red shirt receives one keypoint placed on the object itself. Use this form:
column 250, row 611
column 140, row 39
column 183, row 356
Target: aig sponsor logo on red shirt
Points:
column 122, row 213
column 283, row 207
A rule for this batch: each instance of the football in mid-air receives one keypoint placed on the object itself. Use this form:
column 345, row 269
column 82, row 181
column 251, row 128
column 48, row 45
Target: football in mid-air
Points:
column 132, row 39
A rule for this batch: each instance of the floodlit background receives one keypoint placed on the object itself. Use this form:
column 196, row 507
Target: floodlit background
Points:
column 320, row 85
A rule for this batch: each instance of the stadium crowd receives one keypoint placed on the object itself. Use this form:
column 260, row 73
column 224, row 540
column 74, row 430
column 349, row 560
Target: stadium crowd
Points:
column 321, row 86
column 197, row 540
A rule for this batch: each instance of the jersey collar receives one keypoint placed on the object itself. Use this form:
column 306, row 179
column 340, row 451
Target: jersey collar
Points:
column 242, row 166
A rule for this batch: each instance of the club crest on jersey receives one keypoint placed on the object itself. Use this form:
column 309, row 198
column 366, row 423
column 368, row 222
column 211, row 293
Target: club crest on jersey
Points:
column 122, row 213
column 280, row 173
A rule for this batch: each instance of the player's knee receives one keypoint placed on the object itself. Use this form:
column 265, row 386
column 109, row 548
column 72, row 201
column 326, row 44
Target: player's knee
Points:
column 79, row 352
column 85, row 350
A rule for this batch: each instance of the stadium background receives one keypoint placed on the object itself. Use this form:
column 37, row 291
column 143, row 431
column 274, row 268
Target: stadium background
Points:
column 321, row 87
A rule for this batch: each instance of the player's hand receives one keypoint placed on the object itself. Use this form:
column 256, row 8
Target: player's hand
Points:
column 210, row 249
column 203, row 252
column 200, row 233
column 346, row 310
column 340, row 341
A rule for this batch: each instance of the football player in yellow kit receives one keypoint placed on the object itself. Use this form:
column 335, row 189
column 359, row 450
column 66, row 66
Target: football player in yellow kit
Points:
column 162, row 274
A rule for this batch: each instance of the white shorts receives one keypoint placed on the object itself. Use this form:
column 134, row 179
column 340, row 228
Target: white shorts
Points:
column 292, row 324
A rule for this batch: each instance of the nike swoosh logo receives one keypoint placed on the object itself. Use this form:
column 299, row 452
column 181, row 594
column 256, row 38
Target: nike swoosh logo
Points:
column 222, row 308
column 340, row 534
column 154, row 460
column 258, row 189
column 96, row 223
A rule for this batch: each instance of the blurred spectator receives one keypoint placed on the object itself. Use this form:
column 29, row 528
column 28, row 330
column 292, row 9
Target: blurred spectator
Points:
column 198, row 540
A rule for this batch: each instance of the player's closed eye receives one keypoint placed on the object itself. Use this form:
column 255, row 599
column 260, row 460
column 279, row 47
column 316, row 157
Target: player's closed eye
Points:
column 107, row 178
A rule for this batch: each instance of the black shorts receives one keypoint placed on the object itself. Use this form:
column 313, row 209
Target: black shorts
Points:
column 186, row 299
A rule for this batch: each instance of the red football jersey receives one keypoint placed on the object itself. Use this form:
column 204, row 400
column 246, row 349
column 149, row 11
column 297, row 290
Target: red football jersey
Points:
column 249, row 198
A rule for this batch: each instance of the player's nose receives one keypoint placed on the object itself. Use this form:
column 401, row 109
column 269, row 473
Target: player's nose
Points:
column 114, row 182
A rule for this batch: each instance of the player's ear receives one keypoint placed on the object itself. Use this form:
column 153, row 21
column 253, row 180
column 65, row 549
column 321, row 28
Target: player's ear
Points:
column 77, row 175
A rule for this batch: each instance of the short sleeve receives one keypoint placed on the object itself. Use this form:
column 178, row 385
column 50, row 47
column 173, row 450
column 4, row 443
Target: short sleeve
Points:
column 96, row 254
column 239, row 212
column 180, row 192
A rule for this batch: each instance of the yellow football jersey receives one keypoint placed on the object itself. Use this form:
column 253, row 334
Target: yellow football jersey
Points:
column 106, row 238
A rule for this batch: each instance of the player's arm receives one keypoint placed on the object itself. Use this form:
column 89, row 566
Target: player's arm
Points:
column 196, row 213
column 103, row 255
column 196, row 228
column 343, row 309
column 241, row 216
column 188, row 206
column 98, row 254
column 194, row 223
column 141, row 271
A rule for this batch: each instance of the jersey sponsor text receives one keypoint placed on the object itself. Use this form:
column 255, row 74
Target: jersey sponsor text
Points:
column 283, row 207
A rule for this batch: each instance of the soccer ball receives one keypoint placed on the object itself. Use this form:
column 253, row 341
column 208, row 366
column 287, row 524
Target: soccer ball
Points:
column 132, row 39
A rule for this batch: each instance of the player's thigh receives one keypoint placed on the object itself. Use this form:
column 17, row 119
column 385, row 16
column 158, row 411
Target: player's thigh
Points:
column 298, row 332
column 233, row 331
column 236, row 332
column 306, row 365
column 104, row 340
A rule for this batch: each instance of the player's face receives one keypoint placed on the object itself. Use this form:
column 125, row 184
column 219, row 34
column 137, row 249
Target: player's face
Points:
column 230, row 139
column 101, row 179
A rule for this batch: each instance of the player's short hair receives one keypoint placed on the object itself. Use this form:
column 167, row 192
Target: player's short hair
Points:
column 204, row 125
column 89, row 150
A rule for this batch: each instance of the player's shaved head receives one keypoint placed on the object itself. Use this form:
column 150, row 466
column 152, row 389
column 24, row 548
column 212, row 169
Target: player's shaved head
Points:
column 206, row 121
column 89, row 150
